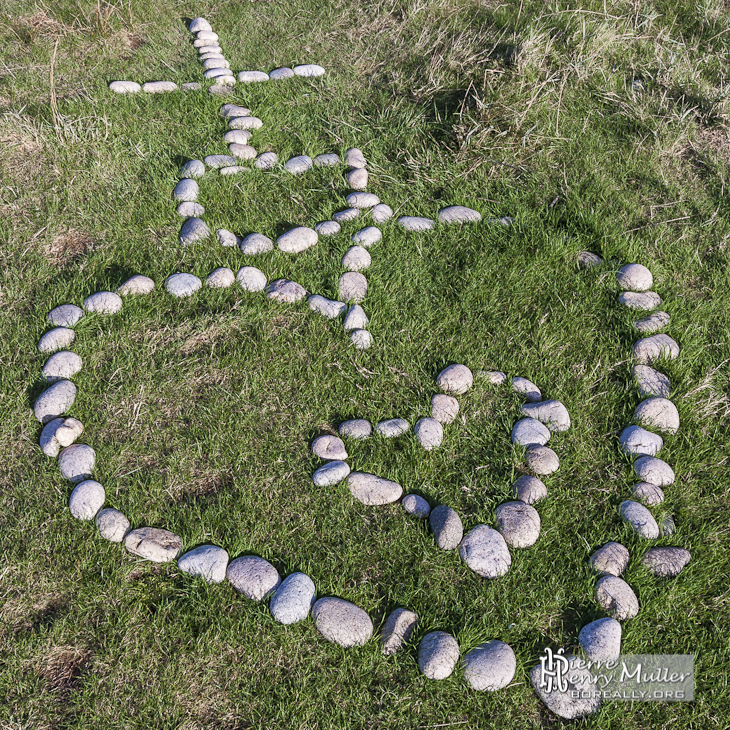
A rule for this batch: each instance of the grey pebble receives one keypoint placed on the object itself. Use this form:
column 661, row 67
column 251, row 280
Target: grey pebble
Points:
column 297, row 239
column 192, row 169
column 216, row 161
column 54, row 401
column 456, row 379
column 112, row 525
column 329, row 159
column 237, row 136
column 252, row 77
column 344, row 216
column 601, row 640
column 159, row 87
column 245, row 123
column 328, row 228
column 226, row 238
column 666, row 562
column 361, row 339
column 221, row 278
column 653, row 470
column 329, row 447
column 61, row 366
column 392, row 428
column 658, row 413
column 550, row 412
column 651, row 382
column 485, row 551
column 256, row 243
column 444, row 408
column 298, row 165
column 446, row 526
column 103, row 302
column 266, row 160
column 416, row 506
column 640, row 519
column 293, row 599
column 136, row 285
column 381, row 213
column 529, row 489
column 76, row 462
column 286, row 291
column 572, row 703
column 281, row 73
column 241, row 151
column 616, row 598
column 125, row 87
column 519, row 524
column 459, row 214
column 355, row 158
column 191, row 86
column 333, row 472
column 190, row 210
column 206, row 35
column 635, row 440
column 253, row 577
column 330, row 308
column 541, row 459
column 429, row 432
column 69, row 431
column 367, row 237
column 648, row 494
column 308, row 70
column 415, row 223
column 356, row 259
column 587, row 260
column 529, row 431
column 65, row 315
column 362, row 201
column 251, row 279
column 215, row 62
column 634, row 277
column 198, row 24
column 154, row 544
column 397, row 630
column 357, row 179
column 193, row 230
column 493, row 377
column 86, row 500
column 646, row 301
column 438, row 654
column 208, row 562
column 611, row 559
column 355, row 319
column 527, row 388
column 653, row 323
column 210, row 48
column 182, row 285
column 358, row 428
column 48, row 441
column 373, row 490
column 490, row 666
column 341, row 622
column 352, row 287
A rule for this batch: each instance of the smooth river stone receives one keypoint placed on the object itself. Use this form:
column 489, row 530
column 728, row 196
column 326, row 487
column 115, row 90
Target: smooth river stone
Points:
column 242, row 151
column 297, row 240
column 446, row 527
column 616, row 598
column 54, row 401
column 125, row 87
column 159, row 87
column 658, row 413
column 356, row 259
column 530, row 431
column 198, row 24
column 329, row 159
column 362, row 201
column 587, row 260
column 485, row 551
column 69, row 431
column 330, row 308
column 634, row 277
column 329, row 447
column 397, row 630
column 154, row 544
column 293, row 599
column 226, row 238
column 653, row 323
column 86, row 500
column 281, row 73
column 527, row 388
column 415, row 223
column 216, row 161
column 286, row 291
column 611, row 559
column 358, row 428
column 308, row 70
column 220, row 88
column 182, row 285
column 251, row 279
column 245, row 123
column 253, row 577
column 193, row 230
column 65, row 315
column 76, row 462
column 206, row 35
column 572, row 703
column 456, row 379
column 641, row 520
column 266, row 160
column 373, row 490
column 651, row 382
column 361, row 339
column 192, row 169
column 529, row 489
column 333, row 472
column 298, row 165
column 217, row 71
column 237, row 136
column 416, row 506
column 48, row 441
column 112, row 525
column 357, row 179
column 648, row 494
column 252, row 77
column 341, row 622
column 355, row 158
column 209, row 48
column 352, row 287
column 493, row 377
column 256, row 243
column 655, row 347
column 61, row 366
column 215, row 62
column 355, row 318
column 190, row 210
column 103, row 302
column 367, row 237
column 541, row 459
column 208, row 562
column 221, row 278
column 444, row 408
column 550, row 412
column 345, row 216
column 136, row 285
column 438, row 654
column 429, row 432
column 601, row 640
column 229, row 111
column 637, row 440
column 653, row 470
column 666, row 562
column 519, row 524
column 328, row 228
column 646, row 300
column 392, row 427
column 459, row 214
column 489, row 666
column 381, row 213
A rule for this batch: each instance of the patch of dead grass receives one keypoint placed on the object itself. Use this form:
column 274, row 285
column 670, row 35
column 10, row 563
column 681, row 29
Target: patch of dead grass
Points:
column 62, row 667
column 69, row 246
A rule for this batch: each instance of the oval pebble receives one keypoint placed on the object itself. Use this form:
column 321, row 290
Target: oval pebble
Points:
column 645, row 301
column 653, row 323
column 252, row 77
column 329, row 447
column 588, row 260
column 541, row 459
column 362, row 201
column 190, row 210
column 493, row 377
column 208, row 562
column 485, row 551
column 266, row 160
column 286, row 291
column 69, row 431
column 103, row 302
column 345, row 216
column 519, row 524
column 215, row 62
column 373, row 490
column 415, row 223
column 216, row 161
column 253, row 577
column 341, row 622
column 193, row 230
column 397, row 630
column 76, row 462
column 381, row 213
column 444, row 408
column 65, row 315
column 529, row 489
column 490, row 666
column 221, row 278
column 154, row 544
column 245, row 123
column 242, row 151
column 529, row 431
column 281, row 73
column 352, row 287
column 329, row 159
column 256, row 243
column 226, row 238
column 125, row 87
column 355, row 319
column 438, row 654
column 357, row 179
column 459, row 214
column 653, row 470
column 550, row 412
column 61, row 366
column 298, row 165
column 293, row 599
column 328, row 228
column 666, row 562
column 611, row 559
column 57, row 339
column 640, row 519
column 137, row 285
column 601, row 640
column 330, row 308
column 159, row 87
column 48, row 441
column 182, row 285
column 358, row 428
column 355, row 158
column 367, row 237
column 86, row 500
column 237, row 136
column 648, row 494
column 308, row 70
column 251, row 279
column 651, row 382
column 112, row 525
column 446, row 526
column 54, row 401
column 211, row 48
column 616, row 598
column 192, row 169
column 635, row 440
column 297, row 239
column 198, row 24
column 455, row 379
column 416, row 506
column 361, row 339
column 634, row 277
column 527, row 388
column 205, row 34
column 392, row 428
column 429, row 432
column 658, row 413
column 332, row 472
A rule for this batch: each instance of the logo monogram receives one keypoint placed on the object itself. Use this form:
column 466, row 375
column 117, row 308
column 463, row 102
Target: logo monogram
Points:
column 551, row 676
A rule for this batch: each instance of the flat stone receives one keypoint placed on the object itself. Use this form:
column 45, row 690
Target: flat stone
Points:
column 444, row 408
column 653, row 470
column 352, row 286
column 193, row 230
column 153, row 543
column 192, row 169
column 208, row 562
column 252, row 77
column 635, row 440
column 634, row 277
column 76, row 462
column 493, row 377
column 490, row 666
column 541, row 459
column 611, row 559
column 112, row 525
column 191, row 86
column 397, row 630
column 416, row 506
column 54, row 401
column 658, row 413
column 329, row 447
column 251, row 279
column 429, row 432
column 190, row 210
column 358, row 428
column 65, row 315
column 345, row 216
column 601, row 640
column 341, row 622
column 61, row 366
column 48, row 441
column 333, row 472
column 572, row 703
column 640, row 519
column 198, row 24
column 355, row 158
column 125, row 87
column 446, row 527
column 645, row 301
column 666, row 562
column 356, row 259
column 357, row 179
column 159, row 87
column 298, row 165
column 616, row 598
column 137, row 285
column 648, row 494
column 86, row 500
column 182, row 285
column 529, row 489
column 220, row 88
column 361, row 339
column 355, row 319
column 231, row 111
column 381, row 213
column 281, row 73
column 456, row 379
column 367, row 237
column 103, row 302
column 237, row 136
column 266, row 161
column 587, row 260
column 210, row 48
column 255, row 244
column 530, row 431
column 69, row 431
column 392, row 428
column 221, row 278
column 214, row 63
column 253, row 577
column 293, row 599
column 651, row 382
column 372, row 490
column 519, row 524
column 362, row 201
column 415, row 223
column 459, row 214
column 297, row 239
column 485, row 551
column 329, row 159
column 550, row 412
column 438, row 654
column 206, row 35
column 653, row 323
column 528, row 389
column 308, row 70
column 328, row 228
column 245, row 123
column 242, row 151
column 330, row 308
column 286, row 291
column 216, row 161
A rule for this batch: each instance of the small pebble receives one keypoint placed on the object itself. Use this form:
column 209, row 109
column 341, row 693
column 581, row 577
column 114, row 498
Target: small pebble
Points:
column 251, row 279
column 648, row 494
column 256, row 243
column 355, row 319
column 137, row 285
column 158, row 87
column 587, row 260
column 429, row 432
column 330, row 308
column 329, row 159
column 208, row 562
column 103, row 302
column 367, row 236
column 397, row 630
column 333, row 472
column 530, row 431
column 48, row 441
column 459, row 214
column 192, row 169
column 125, row 87
column 190, row 210
column 266, row 160
column 635, row 440
column 456, row 379
column 253, row 577
column 341, row 622
column 485, row 551
column 241, row 151
column 54, row 401
column 251, row 77
column 182, row 285
column 358, row 428
column 415, row 223
column 372, row 490
column 541, row 459
column 237, row 136
column 362, row 201
column 281, row 73
column 381, row 213
column 329, row 447
column 519, row 524
column 416, row 506
column 344, row 216
column 221, row 278
column 640, row 300
column 154, row 544
column 653, row 470
column 199, row 24
column 191, row 86
column 293, row 599
column 298, row 165
column 69, row 431
column 446, row 526
column 572, row 703
column 214, row 63
column 490, row 666
column 86, row 500
column 634, row 277
column 112, row 525
column 493, row 377
column 61, row 366
column 640, row 519
column 438, row 654
column 611, row 559
column 206, row 35
column 216, row 161
column 65, row 315
column 245, row 123
column 666, row 562
column 361, row 339
column 653, row 323
column 616, row 598
column 226, row 238
column 308, row 70
column 57, row 339
column 550, row 412
column 352, row 287
column 529, row 489
column 444, row 408
column 651, row 382
column 658, row 413
column 297, row 240
column 212, row 48
column 284, row 290
column 527, row 388
column 601, row 640
column 357, row 179
column 355, row 158
column 193, row 230
column 392, row 428
column 328, row 228
column 76, row 462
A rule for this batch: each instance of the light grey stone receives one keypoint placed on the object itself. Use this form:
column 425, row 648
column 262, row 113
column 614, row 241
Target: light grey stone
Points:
column 253, row 577
column 611, row 559
column 362, row 201
column 251, row 279
column 601, row 640
column 666, row 562
column 103, row 302
column 298, row 165
column 444, row 408
column 616, row 598
column 429, row 432
column 519, row 524
column 416, row 506
column 112, row 525
column 61, row 366
column 645, row 301
column 329, row 159
column 211, row 48
column 69, row 431
column 541, row 459
column 530, row 431
column 438, row 654
column 65, row 315
column 361, row 339
column 634, row 277
column 137, row 285
column 381, row 213
column 493, row 377
column 330, row 308
column 242, row 151
column 329, row 447
column 415, row 223
column 648, row 494
column 485, row 551
column 206, row 35
column 182, row 285
column 245, row 123
column 392, row 428
column 232, row 170
column 256, row 243
column 341, row 622
column 355, row 158
column 653, row 470
column 640, row 519
column 76, row 462
column 266, row 160
column 352, row 286
column 48, row 441
column 658, row 413
column 446, row 527
column 198, row 24
column 367, row 237
column 216, row 161
column 293, row 599
column 459, row 214
column 529, row 489
column 490, row 666
column 651, row 382
column 456, row 379
column 54, row 401
column 237, row 136
column 397, row 630
column 587, row 260
column 653, row 323
column 356, row 259
column 572, row 703
column 190, row 210
column 345, row 216
column 635, row 440
column 333, row 472
column 286, row 291
column 125, row 87
column 527, row 388
column 655, row 347
column 308, row 70
column 192, row 169
column 221, row 278
column 154, row 544
column 252, row 77
column 227, row 238
column 550, row 412
column 208, row 562
column 215, row 62
column 355, row 319
column 193, row 231
column 281, row 73
column 357, row 179
column 220, row 88
column 297, row 239
column 358, row 428
column 328, row 228
column 159, row 87
column 372, row 490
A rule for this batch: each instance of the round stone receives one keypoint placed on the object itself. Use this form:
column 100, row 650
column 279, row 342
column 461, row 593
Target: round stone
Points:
column 588, row 260
column 655, row 347
column 519, row 524
column 76, row 462
column 154, row 544
column 572, row 703
column 358, row 428
column 444, row 408
column 361, row 339
column 550, row 412
column 298, row 165
column 297, row 240
column 616, row 598
column 352, row 286
column 416, row 506
column 530, row 431
column 333, row 472
column 455, row 379
column 252, row 77
column 330, row 308
column 208, row 562
column 653, row 470
column 237, row 136
column 601, row 640
column 493, row 377
column 611, row 559
column 355, row 158
column 367, row 237
column 635, row 440
column 281, row 73
column 112, row 525
column 253, row 577
column 485, row 551
column 648, row 494
column 634, row 277
column 245, row 123
column 256, row 243
column 54, row 401
column 125, row 87
column 65, row 315
column 266, row 160
column 251, row 279
column 103, row 302
column 666, row 562
column 362, row 201
column 328, row 228
column 308, row 70
column 438, row 654
column 193, row 230
column 397, row 630
column 356, row 259
column 199, row 24
column 641, row 520
column 355, row 319
column 159, row 87
column 182, row 285
column 221, row 278
column 651, row 382
column 329, row 447
column 293, row 599
column 490, row 666
column 392, row 427
column 429, row 432
column 329, row 159
column 48, row 441
column 529, row 489
column 69, row 431
column 372, row 490
column 527, row 388
column 446, row 527
column 658, row 413
column 186, row 190
column 357, row 179
column 381, row 213
column 190, row 210
column 286, row 291
column 541, row 459
column 645, row 301
column 459, row 214
column 220, row 88
column 61, row 366
column 137, row 285
column 341, row 622
column 226, row 238
column 192, row 169
column 345, row 216
column 653, row 323
column 86, row 500
column 415, row 223
column 241, row 151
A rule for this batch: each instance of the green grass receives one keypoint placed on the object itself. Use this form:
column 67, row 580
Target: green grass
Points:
column 201, row 410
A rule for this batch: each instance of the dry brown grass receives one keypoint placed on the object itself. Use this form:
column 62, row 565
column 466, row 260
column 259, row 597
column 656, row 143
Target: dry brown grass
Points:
column 62, row 667
column 69, row 246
